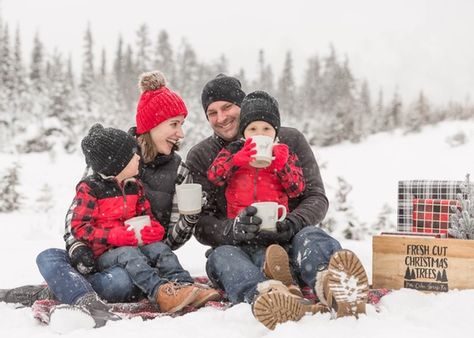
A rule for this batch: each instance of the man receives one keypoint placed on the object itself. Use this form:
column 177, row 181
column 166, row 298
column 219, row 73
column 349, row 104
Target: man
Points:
column 238, row 253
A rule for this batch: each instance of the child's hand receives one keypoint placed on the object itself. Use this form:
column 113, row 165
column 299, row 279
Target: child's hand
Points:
column 120, row 236
column 151, row 234
column 244, row 155
column 281, row 154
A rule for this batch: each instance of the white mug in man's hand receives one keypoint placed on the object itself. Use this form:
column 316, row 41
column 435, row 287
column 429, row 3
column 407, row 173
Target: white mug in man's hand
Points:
column 137, row 224
column 264, row 148
column 268, row 212
column 189, row 197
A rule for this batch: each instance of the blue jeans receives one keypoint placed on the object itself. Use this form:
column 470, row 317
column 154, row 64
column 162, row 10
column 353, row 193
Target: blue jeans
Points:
column 238, row 270
column 149, row 266
column 68, row 285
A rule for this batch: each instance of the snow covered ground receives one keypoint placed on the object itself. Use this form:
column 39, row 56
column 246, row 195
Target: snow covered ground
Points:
column 372, row 167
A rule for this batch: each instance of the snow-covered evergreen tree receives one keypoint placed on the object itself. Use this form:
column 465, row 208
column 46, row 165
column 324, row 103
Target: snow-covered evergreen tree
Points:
column 164, row 57
column 9, row 183
column 87, row 84
column 462, row 221
column 287, row 89
column 144, row 49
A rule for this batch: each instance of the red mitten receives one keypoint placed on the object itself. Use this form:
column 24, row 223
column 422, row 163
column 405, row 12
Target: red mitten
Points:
column 152, row 234
column 120, row 236
column 244, row 155
column 281, row 154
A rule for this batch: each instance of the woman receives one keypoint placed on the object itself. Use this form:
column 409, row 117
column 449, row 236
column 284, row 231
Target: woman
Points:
column 160, row 116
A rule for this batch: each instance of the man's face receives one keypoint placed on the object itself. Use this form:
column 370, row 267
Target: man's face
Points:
column 223, row 117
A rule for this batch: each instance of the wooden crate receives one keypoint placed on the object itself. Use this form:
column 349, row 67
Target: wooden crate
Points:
column 426, row 264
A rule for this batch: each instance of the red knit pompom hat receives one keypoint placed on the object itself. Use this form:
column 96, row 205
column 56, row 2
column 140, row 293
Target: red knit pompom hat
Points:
column 157, row 102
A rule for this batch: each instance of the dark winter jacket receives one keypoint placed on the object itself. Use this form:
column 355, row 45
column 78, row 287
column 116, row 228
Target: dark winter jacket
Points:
column 307, row 209
column 101, row 204
column 247, row 185
column 159, row 178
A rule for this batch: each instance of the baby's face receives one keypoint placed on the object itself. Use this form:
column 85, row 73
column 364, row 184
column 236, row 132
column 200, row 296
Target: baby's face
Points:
column 259, row 128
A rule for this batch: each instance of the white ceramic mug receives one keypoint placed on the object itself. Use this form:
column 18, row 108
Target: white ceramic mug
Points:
column 264, row 148
column 137, row 224
column 189, row 197
column 268, row 212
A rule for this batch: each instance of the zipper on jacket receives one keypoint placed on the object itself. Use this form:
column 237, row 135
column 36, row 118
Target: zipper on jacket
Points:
column 255, row 185
column 124, row 196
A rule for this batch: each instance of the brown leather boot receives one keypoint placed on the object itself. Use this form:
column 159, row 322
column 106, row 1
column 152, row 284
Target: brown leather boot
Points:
column 274, row 304
column 277, row 266
column 204, row 295
column 343, row 287
column 172, row 297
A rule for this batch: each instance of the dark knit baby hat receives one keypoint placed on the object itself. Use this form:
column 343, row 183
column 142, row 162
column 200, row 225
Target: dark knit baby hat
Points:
column 259, row 106
column 108, row 150
column 222, row 88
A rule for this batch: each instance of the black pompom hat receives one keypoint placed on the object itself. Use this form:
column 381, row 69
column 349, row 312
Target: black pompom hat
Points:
column 108, row 150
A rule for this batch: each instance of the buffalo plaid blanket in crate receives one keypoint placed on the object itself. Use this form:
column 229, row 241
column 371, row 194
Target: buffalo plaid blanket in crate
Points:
column 410, row 190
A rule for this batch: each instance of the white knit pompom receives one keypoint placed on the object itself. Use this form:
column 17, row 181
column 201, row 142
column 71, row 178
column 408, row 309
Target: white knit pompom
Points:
column 151, row 81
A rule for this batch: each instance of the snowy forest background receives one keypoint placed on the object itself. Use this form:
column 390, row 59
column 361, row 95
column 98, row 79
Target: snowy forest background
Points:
column 46, row 105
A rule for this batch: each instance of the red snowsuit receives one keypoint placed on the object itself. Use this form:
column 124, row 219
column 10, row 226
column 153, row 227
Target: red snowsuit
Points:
column 102, row 204
column 247, row 185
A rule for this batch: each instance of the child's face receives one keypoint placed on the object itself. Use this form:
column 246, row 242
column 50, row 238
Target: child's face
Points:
column 131, row 169
column 167, row 134
column 259, row 128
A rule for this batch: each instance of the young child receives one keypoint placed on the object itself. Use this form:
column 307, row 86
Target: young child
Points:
column 111, row 195
column 281, row 180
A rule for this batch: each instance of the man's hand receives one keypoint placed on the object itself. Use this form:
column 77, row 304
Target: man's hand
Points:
column 82, row 259
column 246, row 225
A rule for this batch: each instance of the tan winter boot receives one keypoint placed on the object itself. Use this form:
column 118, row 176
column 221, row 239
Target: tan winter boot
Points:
column 277, row 266
column 204, row 295
column 343, row 287
column 172, row 297
column 274, row 304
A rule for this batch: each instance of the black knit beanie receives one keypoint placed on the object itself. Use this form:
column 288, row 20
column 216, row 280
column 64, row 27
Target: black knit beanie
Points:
column 222, row 88
column 259, row 106
column 108, row 150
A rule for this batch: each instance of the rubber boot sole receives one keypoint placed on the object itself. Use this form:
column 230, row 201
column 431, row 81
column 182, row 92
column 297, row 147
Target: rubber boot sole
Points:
column 277, row 265
column 348, row 284
column 275, row 308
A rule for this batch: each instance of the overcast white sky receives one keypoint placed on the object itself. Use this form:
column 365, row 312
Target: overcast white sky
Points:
column 411, row 44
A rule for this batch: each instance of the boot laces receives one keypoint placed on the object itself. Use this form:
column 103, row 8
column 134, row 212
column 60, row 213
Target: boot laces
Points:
column 173, row 288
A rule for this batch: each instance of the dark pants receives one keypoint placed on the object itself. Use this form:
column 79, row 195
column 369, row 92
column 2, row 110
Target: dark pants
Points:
column 149, row 266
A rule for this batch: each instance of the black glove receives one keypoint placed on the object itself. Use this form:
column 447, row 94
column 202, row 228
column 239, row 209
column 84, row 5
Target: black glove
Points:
column 286, row 229
column 82, row 259
column 246, row 225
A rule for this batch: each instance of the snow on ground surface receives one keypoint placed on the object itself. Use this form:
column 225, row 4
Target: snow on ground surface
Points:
column 372, row 167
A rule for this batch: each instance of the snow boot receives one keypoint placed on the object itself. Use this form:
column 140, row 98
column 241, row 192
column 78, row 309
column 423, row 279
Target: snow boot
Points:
column 87, row 312
column 277, row 267
column 26, row 295
column 99, row 310
column 204, row 295
column 275, row 304
column 343, row 287
column 172, row 297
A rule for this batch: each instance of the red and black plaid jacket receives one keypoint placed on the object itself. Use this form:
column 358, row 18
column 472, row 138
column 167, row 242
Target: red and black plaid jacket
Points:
column 247, row 185
column 101, row 204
